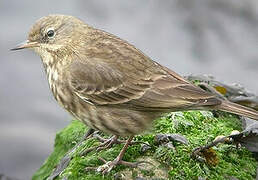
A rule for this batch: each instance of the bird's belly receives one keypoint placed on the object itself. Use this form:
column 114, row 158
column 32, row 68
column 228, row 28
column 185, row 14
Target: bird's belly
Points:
column 109, row 119
column 112, row 120
column 116, row 120
column 74, row 105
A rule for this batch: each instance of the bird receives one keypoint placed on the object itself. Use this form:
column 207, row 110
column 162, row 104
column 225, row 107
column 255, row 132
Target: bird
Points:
column 109, row 84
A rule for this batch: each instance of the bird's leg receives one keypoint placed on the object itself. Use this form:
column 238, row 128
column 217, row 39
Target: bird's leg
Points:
column 64, row 162
column 107, row 143
column 115, row 140
column 109, row 165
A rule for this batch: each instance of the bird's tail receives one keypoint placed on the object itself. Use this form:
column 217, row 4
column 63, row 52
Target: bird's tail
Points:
column 238, row 109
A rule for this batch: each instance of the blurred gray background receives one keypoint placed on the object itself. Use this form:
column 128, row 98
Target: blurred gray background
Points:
column 217, row 37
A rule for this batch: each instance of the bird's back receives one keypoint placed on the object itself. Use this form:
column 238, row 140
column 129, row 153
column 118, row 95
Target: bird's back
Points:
column 112, row 71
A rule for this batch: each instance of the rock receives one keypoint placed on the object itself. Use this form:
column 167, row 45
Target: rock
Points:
column 161, row 139
column 237, row 94
column 145, row 147
column 160, row 162
column 165, row 138
column 178, row 137
column 169, row 145
column 248, row 137
column 228, row 90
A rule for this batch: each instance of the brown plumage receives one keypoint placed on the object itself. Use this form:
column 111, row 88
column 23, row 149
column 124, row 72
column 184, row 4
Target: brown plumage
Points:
column 109, row 84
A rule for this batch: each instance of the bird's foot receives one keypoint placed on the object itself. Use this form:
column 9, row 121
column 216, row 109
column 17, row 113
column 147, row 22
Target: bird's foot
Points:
column 108, row 143
column 109, row 165
column 105, row 143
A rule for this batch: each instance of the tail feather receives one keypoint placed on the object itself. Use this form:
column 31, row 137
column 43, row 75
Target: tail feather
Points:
column 238, row 109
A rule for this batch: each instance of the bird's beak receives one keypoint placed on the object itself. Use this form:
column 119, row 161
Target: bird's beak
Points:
column 25, row 44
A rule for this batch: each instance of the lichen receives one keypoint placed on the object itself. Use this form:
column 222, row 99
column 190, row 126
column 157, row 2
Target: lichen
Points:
column 199, row 127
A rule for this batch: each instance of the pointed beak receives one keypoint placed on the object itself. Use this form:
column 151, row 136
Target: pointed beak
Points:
column 25, row 44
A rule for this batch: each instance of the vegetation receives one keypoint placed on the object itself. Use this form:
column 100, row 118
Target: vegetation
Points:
column 199, row 127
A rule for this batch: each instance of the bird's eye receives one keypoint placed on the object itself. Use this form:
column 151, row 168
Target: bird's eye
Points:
column 50, row 33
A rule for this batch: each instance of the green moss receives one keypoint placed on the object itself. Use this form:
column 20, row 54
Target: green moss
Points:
column 64, row 141
column 199, row 127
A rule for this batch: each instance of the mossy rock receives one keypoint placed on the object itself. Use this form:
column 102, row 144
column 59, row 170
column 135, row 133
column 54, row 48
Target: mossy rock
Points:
column 199, row 127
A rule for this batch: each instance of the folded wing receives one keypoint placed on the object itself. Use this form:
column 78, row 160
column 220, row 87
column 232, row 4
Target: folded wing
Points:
column 104, row 84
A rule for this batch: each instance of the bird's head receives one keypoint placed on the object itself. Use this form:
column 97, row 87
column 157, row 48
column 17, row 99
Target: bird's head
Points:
column 52, row 33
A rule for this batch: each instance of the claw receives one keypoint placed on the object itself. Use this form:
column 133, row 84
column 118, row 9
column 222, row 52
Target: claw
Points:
column 109, row 165
column 106, row 143
column 106, row 168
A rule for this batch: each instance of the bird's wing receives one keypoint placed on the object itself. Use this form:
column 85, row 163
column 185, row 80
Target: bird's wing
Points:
column 169, row 93
column 114, row 72
column 102, row 84
column 174, row 92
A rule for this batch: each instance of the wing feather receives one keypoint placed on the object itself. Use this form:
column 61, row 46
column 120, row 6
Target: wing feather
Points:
column 114, row 72
column 109, row 87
